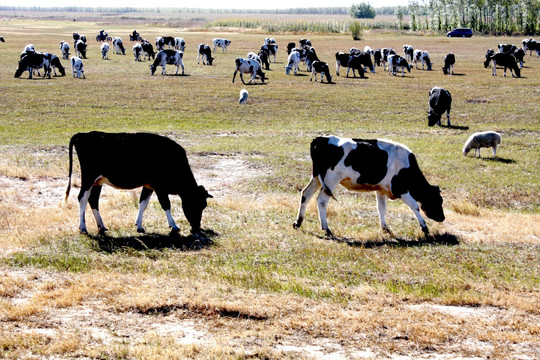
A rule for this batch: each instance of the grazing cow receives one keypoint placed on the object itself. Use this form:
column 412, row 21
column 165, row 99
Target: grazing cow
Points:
column 64, row 47
column 243, row 96
column 161, row 41
column 358, row 62
column 408, row 50
column 118, row 46
column 105, row 51
column 222, row 43
column 381, row 56
column 2, row 39
column 320, row 67
column 305, row 43
column 271, row 49
column 311, row 57
column 489, row 54
column 179, row 44
column 507, row 48
column 80, row 47
column 290, row 46
column 519, row 54
column 252, row 55
column 449, row 61
column 440, row 101
column 482, row 139
column 115, row 159
column 342, row 59
column 56, row 64
column 168, row 57
column 33, row 61
column 248, row 66
column 205, row 53
column 137, row 51
column 423, row 58
column 77, row 67
column 148, row 50
column 395, row 62
column 507, row 61
column 388, row 168
column 292, row 62
column 264, row 56
column 531, row 45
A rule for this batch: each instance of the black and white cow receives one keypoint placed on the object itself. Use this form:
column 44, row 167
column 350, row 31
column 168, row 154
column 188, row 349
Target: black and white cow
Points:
column 269, row 41
column 118, row 46
column 381, row 56
column 358, row 62
column 148, row 50
column 115, row 159
column 292, row 62
column 105, row 51
column 440, row 101
column 77, row 67
column 449, row 61
column 519, row 54
column 271, row 49
column 395, row 63
column 248, row 66
column 386, row 167
column 507, row 48
column 408, row 50
column 422, row 57
column 168, row 57
column 311, row 57
column 64, row 47
column 179, row 44
column 489, row 54
column 305, row 43
column 222, row 43
column 80, row 47
column 264, row 56
column 137, row 51
column 342, row 59
column 205, row 53
column 320, row 67
column 508, row 61
column 56, row 64
column 256, row 57
column 77, row 36
column 161, row 41
column 34, row 61
column 531, row 45
column 290, row 46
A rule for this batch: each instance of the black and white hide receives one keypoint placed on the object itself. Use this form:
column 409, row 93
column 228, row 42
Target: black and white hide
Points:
column 161, row 41
column 243, row 96
column 320, row 67
column 168, row 57
column 137, row 51
column 34, row 61
column 204, row 52
column 531, row 45
column 292, row 62
column 396, row 63
column 304, row 43
column 265, row 58
column 252, row 55
column 311, row 57
column 507, row 48
column 248, row 66
column 508, row 61
column 56, row 64
column 271, row 49
column 118, row 46
column 489, row 54
column 179, row 44
column 290, row 46
column 519, row 54
column 359, row 62
column 77, row 67
column 440, row 101
column 386, row 167
column 115, row 159
column 80, row 47
column 422, row 57
column 222, row 43
column 77, row 37
column 408, row 50
column 105, row 51
column 449, row 61
column 64, row 47
column 148, row 50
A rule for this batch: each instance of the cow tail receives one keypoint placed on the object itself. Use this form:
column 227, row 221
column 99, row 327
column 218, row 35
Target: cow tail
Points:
column 325, row 188
column 68, row 189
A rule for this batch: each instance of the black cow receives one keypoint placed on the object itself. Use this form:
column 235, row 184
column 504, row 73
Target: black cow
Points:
column 519, row 54
column 440, row 101
column 388, row 168
column 33, row 61
column 381, row 56
column 129, row 161
column 358, row 62
column 2, row 39
column 342, row 59
column 264, row 56
column 290, row 46
column 507, row 48
column 271, row 49
column 489, row 54
column 205, row 52
column 505, row 60
column 80, row 48
column 311, row 56
column 56, row 64
column 449, row 61
column 304, row 43
column 148, row 50
column 320, row 67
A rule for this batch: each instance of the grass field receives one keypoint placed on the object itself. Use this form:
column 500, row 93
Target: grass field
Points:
column 261, row 289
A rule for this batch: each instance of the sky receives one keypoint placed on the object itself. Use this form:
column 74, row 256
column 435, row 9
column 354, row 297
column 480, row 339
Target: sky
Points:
column 227, row 4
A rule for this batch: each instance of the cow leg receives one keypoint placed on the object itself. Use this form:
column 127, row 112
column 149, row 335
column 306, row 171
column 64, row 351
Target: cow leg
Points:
column 146, row 193
column 413, row 205
column 448, row 118
column 166, row 206
column 93, row 199
column 323, row 199
column 381, row 207
column 494, row 150
column 83, row 201
column 242, row 77
column 307, row 194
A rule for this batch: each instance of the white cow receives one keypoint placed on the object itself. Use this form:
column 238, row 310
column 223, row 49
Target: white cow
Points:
column 257, row 58
column 137, row 51
column 105, row 50
column 179, row 44
column 118, row 46
column 292, row 61
column 77, row 67
column 64, row 47
column 168, row 57
column 248, row 66
column 222, row 43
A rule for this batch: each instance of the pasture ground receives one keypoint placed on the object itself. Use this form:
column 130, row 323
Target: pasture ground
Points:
column 261, row 289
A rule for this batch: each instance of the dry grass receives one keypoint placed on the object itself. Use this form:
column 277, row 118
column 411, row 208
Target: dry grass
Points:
column 262, row 289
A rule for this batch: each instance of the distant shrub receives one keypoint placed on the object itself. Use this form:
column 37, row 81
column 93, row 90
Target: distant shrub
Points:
column 356, row 30
column 363, row 11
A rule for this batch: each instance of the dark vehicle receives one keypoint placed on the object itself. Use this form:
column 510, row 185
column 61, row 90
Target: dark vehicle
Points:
column 463, row 32
column 103, row 36
column 135, row 36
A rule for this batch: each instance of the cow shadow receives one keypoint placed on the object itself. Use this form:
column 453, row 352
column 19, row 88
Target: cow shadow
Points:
column 182, row 75
column 458, row 74
column 455, row 127
column 154, row 241
column 499, row 160
column 444, row 239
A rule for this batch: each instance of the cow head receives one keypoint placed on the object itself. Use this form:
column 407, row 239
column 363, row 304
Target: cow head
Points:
column 260, row 74
column 489, row 55
column 209, row 59
column 152, row 69
column 433, row 118
column 431, row 204
column 193, row 206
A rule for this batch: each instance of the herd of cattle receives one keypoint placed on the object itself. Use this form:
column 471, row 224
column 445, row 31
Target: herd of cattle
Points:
column 392, row 171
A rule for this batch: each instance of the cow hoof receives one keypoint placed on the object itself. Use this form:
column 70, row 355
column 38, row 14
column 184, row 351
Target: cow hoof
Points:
column 328, row 233
column 102, row 231
column 83, row 232
column 175, row 230
column 425, row 230
column 141, row 230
